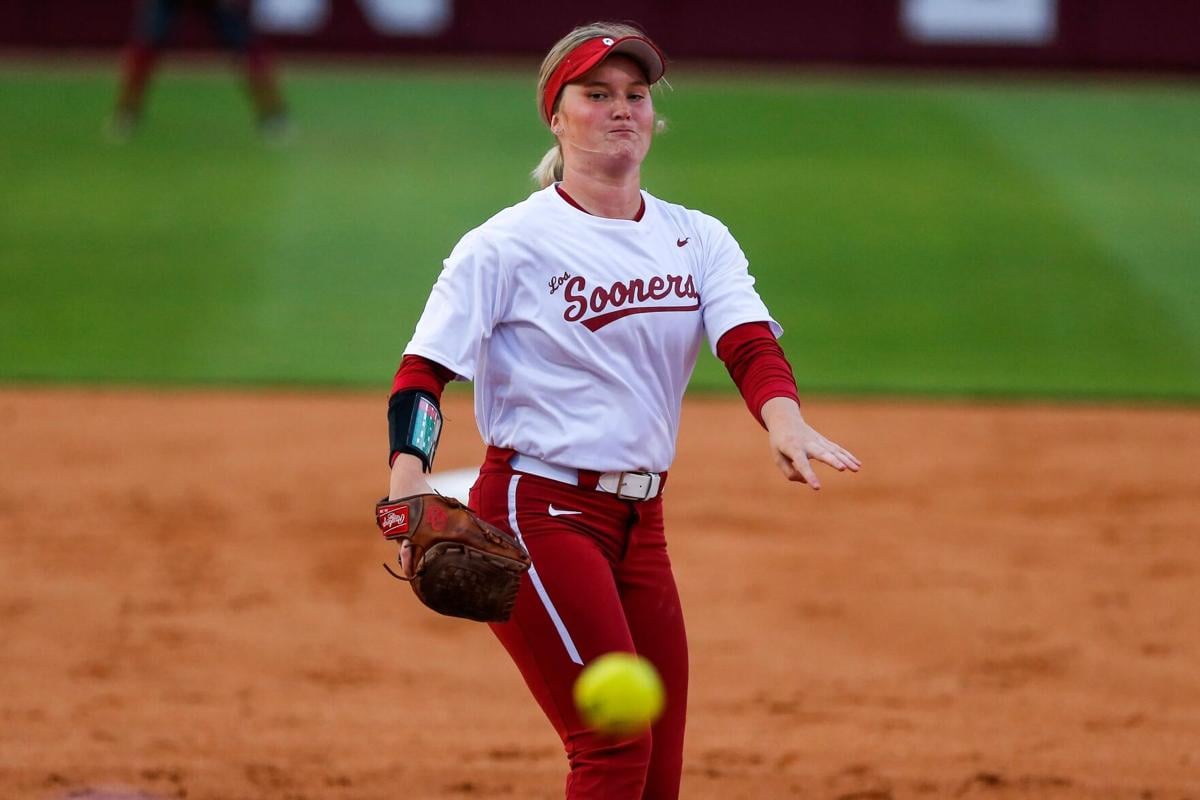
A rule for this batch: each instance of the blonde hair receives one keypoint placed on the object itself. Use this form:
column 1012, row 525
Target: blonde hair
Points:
column 550, row 168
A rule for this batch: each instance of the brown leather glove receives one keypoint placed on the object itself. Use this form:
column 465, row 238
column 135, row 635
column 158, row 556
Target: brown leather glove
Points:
column 464, row 567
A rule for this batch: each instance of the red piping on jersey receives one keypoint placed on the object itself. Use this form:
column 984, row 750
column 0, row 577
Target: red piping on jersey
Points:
column 757, row 365
column 636, row 217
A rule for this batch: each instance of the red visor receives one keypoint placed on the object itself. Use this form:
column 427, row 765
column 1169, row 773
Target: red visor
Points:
column 591, row 53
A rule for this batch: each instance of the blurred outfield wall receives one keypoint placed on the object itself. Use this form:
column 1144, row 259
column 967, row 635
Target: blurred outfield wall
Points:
column 1156, row 35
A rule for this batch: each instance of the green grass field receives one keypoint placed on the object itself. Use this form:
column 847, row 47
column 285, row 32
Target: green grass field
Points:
column 913, row 236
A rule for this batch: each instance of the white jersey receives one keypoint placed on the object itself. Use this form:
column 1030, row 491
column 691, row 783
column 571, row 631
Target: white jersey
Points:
column 581, row 332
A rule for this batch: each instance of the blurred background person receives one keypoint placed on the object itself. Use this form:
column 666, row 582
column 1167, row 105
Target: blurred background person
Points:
column 154, row 26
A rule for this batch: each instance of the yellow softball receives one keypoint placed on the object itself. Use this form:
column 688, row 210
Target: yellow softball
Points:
column 619, row 694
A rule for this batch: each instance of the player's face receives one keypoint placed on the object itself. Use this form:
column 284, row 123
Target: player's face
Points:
column 607, row 113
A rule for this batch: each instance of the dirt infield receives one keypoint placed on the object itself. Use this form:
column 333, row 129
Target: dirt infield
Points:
column 1003, row 604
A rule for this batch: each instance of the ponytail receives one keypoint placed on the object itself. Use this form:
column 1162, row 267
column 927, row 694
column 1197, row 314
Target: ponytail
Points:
column 550, row 168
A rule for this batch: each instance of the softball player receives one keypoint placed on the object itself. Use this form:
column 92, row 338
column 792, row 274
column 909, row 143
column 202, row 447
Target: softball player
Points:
column 230, row 21
column 578, row 313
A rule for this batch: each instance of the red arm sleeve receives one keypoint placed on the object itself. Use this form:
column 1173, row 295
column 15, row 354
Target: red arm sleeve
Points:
column 757, row 365
column 416, row 372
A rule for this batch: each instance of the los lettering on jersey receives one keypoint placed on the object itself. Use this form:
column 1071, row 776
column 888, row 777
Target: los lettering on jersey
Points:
column 581, row 332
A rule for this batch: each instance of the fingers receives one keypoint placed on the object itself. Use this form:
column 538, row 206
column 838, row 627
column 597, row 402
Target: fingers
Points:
column 851, row 460
column 798, row 470
column 836, row 456
column 406, row 558
column 794, row 462
column 838, row 459
column 831, row 458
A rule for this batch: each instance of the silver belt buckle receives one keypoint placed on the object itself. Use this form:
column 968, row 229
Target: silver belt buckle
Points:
column 636, row 485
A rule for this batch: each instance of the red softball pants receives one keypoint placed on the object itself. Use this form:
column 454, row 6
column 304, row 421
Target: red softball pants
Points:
column 600, row 581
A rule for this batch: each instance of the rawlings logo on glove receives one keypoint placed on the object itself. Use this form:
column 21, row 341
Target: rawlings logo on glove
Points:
column 462, row 566
column 393, row 522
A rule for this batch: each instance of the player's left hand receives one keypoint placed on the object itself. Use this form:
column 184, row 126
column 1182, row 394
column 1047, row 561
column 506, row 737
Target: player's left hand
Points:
column 794, row 443
column 464, row 566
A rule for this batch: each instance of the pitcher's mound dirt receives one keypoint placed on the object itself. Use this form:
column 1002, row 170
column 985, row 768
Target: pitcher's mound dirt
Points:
column 1002, row 604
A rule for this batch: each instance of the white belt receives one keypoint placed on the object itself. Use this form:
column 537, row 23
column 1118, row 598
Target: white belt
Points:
column 626, row 485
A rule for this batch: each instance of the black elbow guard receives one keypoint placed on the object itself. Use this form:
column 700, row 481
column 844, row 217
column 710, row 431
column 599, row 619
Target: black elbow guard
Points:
column 414, row 425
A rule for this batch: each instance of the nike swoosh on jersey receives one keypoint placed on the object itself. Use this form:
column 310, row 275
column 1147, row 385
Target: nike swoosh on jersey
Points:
column 561, row 512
